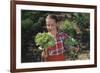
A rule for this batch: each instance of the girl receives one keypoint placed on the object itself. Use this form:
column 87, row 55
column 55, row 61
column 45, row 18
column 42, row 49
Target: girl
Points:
column 55, row 53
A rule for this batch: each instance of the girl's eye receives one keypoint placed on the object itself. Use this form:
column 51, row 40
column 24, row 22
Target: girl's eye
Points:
column 48, row 25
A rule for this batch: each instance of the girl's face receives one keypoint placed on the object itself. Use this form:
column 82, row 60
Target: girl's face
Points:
column 51, row 24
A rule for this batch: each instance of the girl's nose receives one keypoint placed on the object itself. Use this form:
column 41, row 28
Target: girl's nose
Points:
column 50, row 27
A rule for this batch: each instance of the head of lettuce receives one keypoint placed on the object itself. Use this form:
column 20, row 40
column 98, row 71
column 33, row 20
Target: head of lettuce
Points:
column 44, row 40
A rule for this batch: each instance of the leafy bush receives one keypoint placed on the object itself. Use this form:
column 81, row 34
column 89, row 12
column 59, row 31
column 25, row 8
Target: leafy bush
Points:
column 68, row 27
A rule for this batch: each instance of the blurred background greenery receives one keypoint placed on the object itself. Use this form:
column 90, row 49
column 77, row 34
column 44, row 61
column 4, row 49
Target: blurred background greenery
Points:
column 76, row 25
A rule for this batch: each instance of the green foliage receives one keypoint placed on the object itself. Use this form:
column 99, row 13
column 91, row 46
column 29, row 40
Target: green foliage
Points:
column 68, row 27
column 26, row 23
column 70, row 42
column 44, row 40
column 33, row 22
column 72, row 53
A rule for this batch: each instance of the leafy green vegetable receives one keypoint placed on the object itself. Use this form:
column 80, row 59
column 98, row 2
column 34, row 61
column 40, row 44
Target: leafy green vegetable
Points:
column 70, row 42
column 44, row 40
column 72, row 52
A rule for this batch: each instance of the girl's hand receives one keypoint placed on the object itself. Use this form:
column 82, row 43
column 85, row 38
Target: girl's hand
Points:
column 44, row 54
column 77, row 48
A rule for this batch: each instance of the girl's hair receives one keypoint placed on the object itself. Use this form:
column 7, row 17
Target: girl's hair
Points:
column 52, row 16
